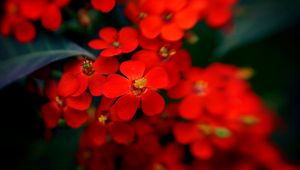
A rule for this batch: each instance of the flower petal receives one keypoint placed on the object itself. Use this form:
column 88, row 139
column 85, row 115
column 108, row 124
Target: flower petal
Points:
column 104, row 5
column 190, row 107
column 97, row 134
column 98, row 44
column 132, row 69
column 74, row 118
column 185, row 133
column 108, row 34
column 149, row 58
column 24, row 31
column 116, row 86
column 81, row 102
column 121, row 133
column 186, row 19
column 180, row 90
column 129, row 45
column 202, row 150
column 171, row 32
column 50, row 90
column 51, row 114
column 51, row 18
column 152, row 103
column 157, row 77
column 151, row 26
column 110, row 52
column 125, row 107
column 127, row 33
column 96, row 84
column 68, row 84
column 105, row 65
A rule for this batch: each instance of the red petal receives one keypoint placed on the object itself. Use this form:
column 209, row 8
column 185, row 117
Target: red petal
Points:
column 180, row 90
column 108, row 34
column 157, row 78
column 175, row 5
column 104, row 5
column 98, row 135
column 83, row 84
column 51, row 18
column 61, row 3
column 81, row 102
column 171, row 32
column 127, row 33
column 110, row 52
column 96, row 84
column 218, row 17
column 24, row 31
column 32, row 9
column 75, row 118
column 51, row 114
column 186, row 19
column 185, row 133
column 126, row 106
column 129, row 45
column 68, row 85
column 116, row 86
column 98, row 44
column 151, row 26
column 190, row 107
column 152, row 103
column 104, row 65
column 73, row 66
column 132, row 69
column 121, row 133
column 149, row 58
column 201, row 150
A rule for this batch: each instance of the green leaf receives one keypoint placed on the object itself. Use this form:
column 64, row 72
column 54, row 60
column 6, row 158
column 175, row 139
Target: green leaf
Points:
column 258, row 19
column 17, row 60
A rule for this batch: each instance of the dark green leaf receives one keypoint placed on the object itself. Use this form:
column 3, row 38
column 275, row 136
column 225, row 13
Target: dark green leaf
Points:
column 17, row 60
column 258, row 19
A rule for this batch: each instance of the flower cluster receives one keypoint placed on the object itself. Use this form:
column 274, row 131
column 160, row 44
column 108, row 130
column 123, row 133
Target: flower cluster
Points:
column 142, row 103
column 19, row 16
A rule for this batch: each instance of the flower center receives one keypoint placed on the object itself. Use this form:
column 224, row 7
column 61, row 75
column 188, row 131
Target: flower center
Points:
column 116, row 44
column 222, row 132
column 142, row 15
column 59, row 101
column 167, row 16
column 159, row 166
column 12, row 8
column 165, row 52
column 138, row 86
column 102, row 119
column 87, row 67
column 200, row 88
column 249, row 120
column 205, row 129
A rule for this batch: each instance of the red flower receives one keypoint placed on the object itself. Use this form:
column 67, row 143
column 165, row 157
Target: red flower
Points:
column 104, row 5
column 114, row 43
column 169, row 19
column 157, row 52
column 137, row 87
column 71, row 108
column 219, row 12
column 14, row 23
column 85, row 73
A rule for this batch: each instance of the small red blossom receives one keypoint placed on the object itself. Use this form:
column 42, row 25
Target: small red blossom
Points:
column 84, row 72
column 103, row 5
column 115, row 43
column 135, row 88
column 72, row 109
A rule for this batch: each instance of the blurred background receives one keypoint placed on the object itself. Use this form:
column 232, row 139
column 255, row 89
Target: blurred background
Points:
column 264, row 35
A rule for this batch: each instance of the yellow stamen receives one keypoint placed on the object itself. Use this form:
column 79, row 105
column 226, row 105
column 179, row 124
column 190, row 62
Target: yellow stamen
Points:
column 200, row 88
column 102, row 119
column 159, row 166
column 59, row 101
column 116, row 44
column 140, row 83
column 249, row 120
column 205, row 129
column 245, row 73
column 165, row 52
column 222, row 132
